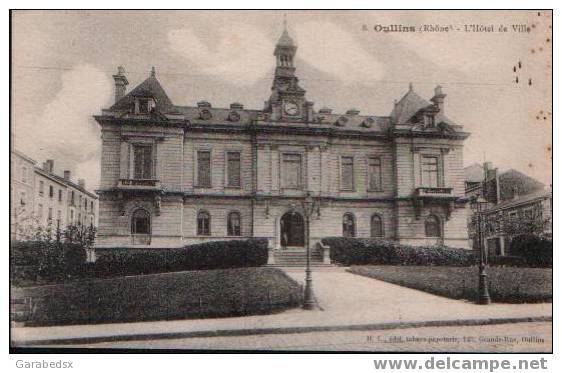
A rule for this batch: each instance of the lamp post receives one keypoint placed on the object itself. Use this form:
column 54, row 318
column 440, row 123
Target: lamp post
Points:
column 483, row 292
column 308, row 207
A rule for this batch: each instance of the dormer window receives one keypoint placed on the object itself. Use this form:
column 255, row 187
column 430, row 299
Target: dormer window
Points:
column 144, row 105
column 430, row 120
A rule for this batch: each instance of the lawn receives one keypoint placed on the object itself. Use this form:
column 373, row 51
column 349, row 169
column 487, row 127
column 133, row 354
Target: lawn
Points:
column 165, row 296
column 507, row 284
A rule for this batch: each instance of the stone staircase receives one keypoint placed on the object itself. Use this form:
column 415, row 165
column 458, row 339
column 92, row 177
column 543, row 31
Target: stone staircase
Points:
column 296, row 257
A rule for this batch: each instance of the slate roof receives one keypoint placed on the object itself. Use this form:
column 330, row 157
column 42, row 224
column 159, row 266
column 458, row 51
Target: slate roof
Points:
column 407, row 107
column 523, row 199
column 285, row 40
column 513, row 179
column 474, row 173
column 363, row 123
column 410, row 105
column 150, row 86
column 510, row 181
column 63, row 181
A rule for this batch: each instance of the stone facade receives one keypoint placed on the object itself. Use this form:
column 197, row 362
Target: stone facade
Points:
column 42, row 198
column 175, row 175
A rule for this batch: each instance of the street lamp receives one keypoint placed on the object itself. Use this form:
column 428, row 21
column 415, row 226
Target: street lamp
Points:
column 308, row 207
column 483, row 293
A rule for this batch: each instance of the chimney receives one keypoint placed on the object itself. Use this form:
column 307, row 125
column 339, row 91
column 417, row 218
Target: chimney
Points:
column 45, row 166
column 66, row 174
column 50, row 165
column 121, row 83
column 82, row 183
column 236, row 105
column 439, row 98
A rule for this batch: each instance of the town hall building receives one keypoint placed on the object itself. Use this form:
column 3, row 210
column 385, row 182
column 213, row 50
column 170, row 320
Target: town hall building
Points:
column 174, row 175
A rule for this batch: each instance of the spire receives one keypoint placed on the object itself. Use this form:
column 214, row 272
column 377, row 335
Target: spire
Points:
column 285, row 48
column 411, row 86
column 153, row 72
column 285, row 40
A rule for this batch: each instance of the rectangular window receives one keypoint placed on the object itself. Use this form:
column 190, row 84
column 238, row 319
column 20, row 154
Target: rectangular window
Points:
column 40, row 211
column 71, row 216
column 50, row 216
column 143, row 161
column 60, row 195
column 292, row 171
column 143, row 105
column 233, row 169
column 24, row 174
column 85, row 204
column 204, row 169
column 51, row 191
column 72, row 198
column 346, row 173
column 92, row 206
column 58, row 218
column 375, row 174
column 41, row 187
column 430, row 171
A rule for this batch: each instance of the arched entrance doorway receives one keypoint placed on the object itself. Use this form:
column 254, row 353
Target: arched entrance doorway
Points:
column 140, row 227
column 292, row 229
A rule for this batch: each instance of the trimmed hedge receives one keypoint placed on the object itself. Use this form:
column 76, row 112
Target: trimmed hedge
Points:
column 209, row 255
column 536, row 251
column 358, row 251
column 507, row 285
column 508, row 261
column 51, row 261
column 162, row 296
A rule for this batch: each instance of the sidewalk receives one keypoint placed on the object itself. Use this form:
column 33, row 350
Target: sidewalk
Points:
column 348, row 301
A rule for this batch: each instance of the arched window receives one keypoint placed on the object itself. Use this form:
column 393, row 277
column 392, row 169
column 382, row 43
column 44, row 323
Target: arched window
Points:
column 348, row 225
column 432, row 226
column 376, row 226
column 203, row 223
column 140, row 222
column 233, row 224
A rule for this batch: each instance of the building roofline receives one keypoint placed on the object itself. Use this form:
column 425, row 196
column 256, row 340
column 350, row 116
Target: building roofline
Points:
column 65, row 182
column 26, row 157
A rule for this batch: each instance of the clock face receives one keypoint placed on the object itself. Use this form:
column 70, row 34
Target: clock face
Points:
column 291, row 108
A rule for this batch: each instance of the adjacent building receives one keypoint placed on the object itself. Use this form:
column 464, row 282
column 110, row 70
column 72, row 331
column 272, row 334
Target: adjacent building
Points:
column 40, row 197
column 516, row 204
column 174, row 175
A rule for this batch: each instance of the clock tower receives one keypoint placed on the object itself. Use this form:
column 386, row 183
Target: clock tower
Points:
column 287, row 101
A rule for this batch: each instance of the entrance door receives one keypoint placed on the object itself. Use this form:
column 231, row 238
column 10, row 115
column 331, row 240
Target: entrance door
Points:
column 140, row 227
column 292, row 229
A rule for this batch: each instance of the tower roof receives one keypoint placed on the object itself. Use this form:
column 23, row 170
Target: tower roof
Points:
column 409, row 105
column 150, row 87
column 285, row 40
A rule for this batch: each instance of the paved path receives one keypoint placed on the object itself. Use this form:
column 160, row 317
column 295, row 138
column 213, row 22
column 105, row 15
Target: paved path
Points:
column 522, row 337
column 346, row 299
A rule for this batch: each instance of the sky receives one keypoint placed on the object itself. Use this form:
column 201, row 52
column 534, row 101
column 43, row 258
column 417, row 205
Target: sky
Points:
column 62, row 63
